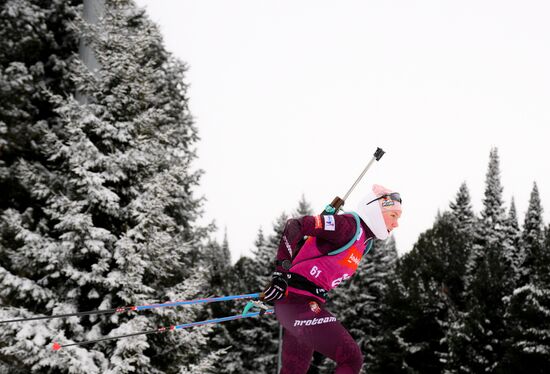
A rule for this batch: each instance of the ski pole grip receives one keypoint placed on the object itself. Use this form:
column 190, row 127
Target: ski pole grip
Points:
column 378, row 154
column 334, row 206
column 337, row 203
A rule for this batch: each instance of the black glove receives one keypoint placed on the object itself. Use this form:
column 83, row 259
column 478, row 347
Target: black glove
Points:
column 276, row 289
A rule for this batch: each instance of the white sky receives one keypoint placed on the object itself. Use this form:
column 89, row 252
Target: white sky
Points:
column 293, row 97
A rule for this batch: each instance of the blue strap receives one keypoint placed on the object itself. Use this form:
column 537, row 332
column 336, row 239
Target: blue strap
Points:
column 353, row 240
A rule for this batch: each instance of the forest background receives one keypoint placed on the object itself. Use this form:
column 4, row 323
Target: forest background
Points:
column 98, row 209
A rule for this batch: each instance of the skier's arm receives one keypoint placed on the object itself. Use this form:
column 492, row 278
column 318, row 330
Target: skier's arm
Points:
column 337, row 230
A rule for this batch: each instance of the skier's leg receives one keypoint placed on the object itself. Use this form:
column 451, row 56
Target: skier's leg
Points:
column 296, row 355
column 334, row 341
column 316, row 328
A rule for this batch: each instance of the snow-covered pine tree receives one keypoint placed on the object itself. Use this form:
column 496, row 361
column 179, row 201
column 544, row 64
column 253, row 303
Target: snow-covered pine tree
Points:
column 431, row 278
column 363, row 312
column 217, row 259
column 304, row 208
column 545, row 256
column 517, row 254
column 459, row 249
column 477, row 341
column 30, row 67
column 245, row 271
column 252, row 343
column 489, row 230
column 37, row 44
column 232, row 337
column 461, row 242
column 263, row 337
column 461, row 209
column 532, row 240
column 390, row 349
column 528, row 309
column 105, row 213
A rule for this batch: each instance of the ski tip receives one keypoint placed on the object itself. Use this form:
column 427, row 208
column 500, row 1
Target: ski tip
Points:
column 56, row 346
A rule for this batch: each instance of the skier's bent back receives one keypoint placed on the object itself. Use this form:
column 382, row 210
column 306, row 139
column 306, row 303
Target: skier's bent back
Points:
column 303, row 277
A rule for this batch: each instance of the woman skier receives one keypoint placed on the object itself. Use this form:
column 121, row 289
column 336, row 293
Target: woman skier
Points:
column 303, row 277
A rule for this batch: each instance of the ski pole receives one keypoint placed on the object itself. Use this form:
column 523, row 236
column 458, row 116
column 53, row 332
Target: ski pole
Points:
column 337, row 203
column 140, row 307
column 56, row 346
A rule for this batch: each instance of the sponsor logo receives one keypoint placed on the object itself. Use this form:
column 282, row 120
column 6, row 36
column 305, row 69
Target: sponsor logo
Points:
column 314, row 307
column 337, row 281
column 352, row 259
column 318, row 222
column 330, row 223
column 314, row 321
column 388, row 202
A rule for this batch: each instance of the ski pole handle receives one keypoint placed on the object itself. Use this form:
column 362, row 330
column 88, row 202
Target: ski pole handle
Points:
column 334, row 206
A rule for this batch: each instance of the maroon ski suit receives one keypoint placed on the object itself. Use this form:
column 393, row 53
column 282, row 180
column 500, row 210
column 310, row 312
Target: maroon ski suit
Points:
column 308, row 326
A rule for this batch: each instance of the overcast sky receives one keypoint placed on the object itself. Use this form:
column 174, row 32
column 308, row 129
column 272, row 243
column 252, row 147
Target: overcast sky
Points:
column 294, row 97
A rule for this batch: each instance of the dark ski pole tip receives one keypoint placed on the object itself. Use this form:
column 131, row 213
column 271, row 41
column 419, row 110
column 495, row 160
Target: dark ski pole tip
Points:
column 378, row 154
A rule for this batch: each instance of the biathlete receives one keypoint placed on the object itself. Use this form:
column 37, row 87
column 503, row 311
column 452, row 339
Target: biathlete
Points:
column 303, row 277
